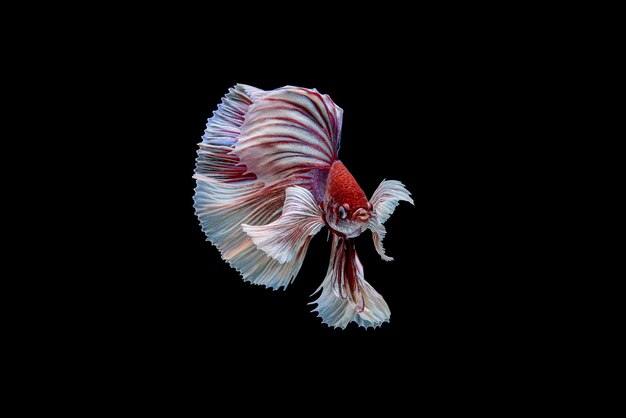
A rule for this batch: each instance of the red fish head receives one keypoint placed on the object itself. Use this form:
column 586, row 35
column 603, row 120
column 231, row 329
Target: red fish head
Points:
column 346, row 207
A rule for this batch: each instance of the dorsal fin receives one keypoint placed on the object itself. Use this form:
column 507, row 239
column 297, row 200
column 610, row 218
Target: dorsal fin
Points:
column 289, row 132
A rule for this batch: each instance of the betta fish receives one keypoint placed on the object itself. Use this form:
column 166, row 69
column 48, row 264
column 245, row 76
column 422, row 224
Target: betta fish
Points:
column 269, row 178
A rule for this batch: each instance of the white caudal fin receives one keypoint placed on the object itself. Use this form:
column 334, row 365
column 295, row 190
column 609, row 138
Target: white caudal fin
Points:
column 345, row 295
column 227, row 195
column 284, row 238
column 384, row 201
column 223, row 207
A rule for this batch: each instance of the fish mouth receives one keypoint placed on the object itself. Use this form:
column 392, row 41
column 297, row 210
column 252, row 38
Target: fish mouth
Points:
column 361, row 215
column 360, row 219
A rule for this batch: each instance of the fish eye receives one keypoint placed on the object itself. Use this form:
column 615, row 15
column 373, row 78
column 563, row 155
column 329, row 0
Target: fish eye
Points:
column 342, row 212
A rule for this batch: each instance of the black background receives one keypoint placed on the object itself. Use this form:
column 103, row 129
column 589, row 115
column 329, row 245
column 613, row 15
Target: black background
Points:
column 141, row 285
column 443, row 120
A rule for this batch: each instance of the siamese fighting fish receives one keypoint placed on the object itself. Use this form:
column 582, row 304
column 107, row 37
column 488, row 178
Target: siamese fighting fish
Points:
column 268, row 179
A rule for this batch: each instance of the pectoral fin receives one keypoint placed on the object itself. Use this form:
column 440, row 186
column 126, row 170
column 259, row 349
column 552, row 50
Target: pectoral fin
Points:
column 378, row 234
column 288, row 235
column 384, row 201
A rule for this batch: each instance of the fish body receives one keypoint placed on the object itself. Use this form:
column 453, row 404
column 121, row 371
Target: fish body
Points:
column 269, row 178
